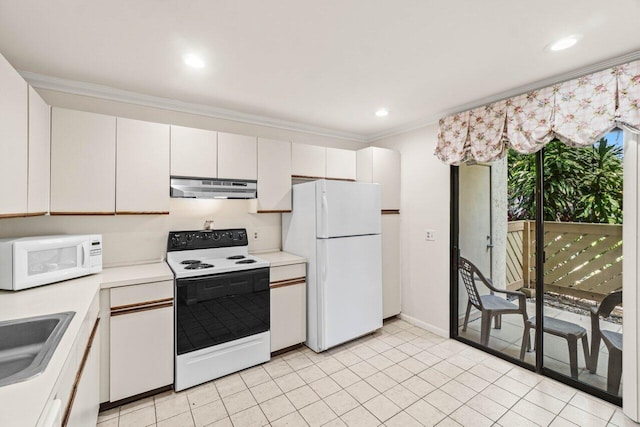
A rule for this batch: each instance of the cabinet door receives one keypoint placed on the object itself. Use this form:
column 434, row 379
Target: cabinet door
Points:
column 391, row 291
column 141, row 353
column 13, row 137
column 274, row 176
column 142, row 179
column 386, row 171
column 288, row 316
column 237, row 156
column 83, row 162
column 308, row 161
column 194, row 152
column 86, row 403
column 39, row 154
column 364, row 165
column 341, row 164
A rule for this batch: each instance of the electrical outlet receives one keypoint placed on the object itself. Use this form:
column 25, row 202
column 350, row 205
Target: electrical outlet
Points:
column 256, row 236
column 430, row 235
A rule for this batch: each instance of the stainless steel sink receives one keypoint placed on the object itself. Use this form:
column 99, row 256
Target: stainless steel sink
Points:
column 26, row 345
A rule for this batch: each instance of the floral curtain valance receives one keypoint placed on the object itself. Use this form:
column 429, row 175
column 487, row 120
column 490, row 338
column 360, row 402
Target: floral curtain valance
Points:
column 578, row 112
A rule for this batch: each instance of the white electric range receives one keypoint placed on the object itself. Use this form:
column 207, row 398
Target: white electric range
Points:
column 221, row 305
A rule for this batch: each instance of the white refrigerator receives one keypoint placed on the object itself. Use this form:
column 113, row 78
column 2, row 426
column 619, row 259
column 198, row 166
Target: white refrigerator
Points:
column 336, row 226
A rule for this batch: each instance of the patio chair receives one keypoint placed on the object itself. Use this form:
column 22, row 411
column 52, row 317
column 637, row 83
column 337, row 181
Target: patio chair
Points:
column 491, row 306
column 613, row 341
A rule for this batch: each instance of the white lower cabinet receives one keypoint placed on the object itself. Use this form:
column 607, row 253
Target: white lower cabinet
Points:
column 86, row 403
column 288, row 306
column 391, row 302
column 141, row 339
column 75, row 399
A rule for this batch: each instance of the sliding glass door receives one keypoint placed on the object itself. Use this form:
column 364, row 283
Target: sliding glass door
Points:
column 559, row 210
column 491, row 313
column 583, row 262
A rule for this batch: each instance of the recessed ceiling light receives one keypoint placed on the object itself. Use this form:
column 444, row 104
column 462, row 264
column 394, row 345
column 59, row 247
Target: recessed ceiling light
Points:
column 383, row 112
column 564, row 43
column 193, row 61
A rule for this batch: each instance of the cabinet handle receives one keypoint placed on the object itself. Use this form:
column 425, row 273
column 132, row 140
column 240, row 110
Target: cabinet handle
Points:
column 135, row 308
column 288, row 282
column 74, row 391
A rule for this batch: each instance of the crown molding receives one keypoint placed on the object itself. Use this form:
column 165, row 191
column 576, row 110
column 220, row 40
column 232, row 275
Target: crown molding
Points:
column 106, row 92
column 539, row 84
column 42, row 81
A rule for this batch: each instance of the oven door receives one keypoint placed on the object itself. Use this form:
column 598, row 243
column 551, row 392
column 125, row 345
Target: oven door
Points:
column 218, row 308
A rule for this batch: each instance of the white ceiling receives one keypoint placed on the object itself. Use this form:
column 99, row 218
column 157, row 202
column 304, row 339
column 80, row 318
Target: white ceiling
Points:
column 329, row 63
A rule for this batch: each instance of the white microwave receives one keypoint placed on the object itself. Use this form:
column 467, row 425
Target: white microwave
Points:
column 33, row 261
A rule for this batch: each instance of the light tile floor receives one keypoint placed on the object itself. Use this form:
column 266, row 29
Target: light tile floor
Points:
column 400, row 376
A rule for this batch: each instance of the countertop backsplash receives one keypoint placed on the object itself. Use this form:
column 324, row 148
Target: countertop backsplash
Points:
column 132, row 239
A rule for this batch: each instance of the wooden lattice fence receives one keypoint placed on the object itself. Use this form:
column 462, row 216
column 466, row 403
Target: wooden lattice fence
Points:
column 582, row 260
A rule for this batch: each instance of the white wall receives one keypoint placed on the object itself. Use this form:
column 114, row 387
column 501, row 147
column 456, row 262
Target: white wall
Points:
column 143, row 238
column 424, row 205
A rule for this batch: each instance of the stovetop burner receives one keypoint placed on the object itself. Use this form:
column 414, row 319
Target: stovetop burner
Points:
column 198, row 266
column 205, row 253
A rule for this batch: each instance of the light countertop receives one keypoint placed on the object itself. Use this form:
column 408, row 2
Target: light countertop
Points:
column 135, row 275
column 22, row 403
column 279, row 258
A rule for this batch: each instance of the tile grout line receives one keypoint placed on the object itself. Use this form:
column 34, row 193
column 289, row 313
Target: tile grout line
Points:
column 370, row 342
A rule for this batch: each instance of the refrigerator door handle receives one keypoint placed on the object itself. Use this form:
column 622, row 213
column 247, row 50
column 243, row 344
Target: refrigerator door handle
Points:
column 322, row 296
column 325, row 214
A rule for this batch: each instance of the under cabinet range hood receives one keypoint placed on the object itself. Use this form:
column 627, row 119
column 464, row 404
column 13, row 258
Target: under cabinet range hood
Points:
column 213, row 188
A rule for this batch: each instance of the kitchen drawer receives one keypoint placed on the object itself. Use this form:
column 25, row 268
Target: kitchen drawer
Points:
column 144, row 293
column 288, row 272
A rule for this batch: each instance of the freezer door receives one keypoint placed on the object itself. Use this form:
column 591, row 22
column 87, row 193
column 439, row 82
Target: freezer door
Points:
column 349, row 288
column 347, row 209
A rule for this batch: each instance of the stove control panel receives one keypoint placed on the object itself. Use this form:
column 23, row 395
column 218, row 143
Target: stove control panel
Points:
column 206, row 239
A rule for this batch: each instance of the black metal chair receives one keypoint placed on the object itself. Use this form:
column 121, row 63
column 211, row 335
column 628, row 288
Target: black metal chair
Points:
column 489, row 305
column 613, row 341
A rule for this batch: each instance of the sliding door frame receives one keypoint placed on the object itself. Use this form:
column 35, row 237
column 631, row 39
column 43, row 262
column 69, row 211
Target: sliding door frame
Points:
column 539, row 275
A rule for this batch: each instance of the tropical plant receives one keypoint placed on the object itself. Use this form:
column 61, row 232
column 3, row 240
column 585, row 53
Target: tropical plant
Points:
column 580, row 184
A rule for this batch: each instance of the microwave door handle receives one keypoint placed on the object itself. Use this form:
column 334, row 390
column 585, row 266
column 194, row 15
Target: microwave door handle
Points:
column 85, row 254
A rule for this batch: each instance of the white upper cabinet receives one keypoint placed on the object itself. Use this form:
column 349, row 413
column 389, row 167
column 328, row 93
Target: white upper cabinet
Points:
column 83, row 162
column 381, row 165
column 274, row 175
column 308, row 161
column 13, row 138
column 237, row 156
column 194, row 152
column 341, row 164
column 39, row 154
column 142, row 178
